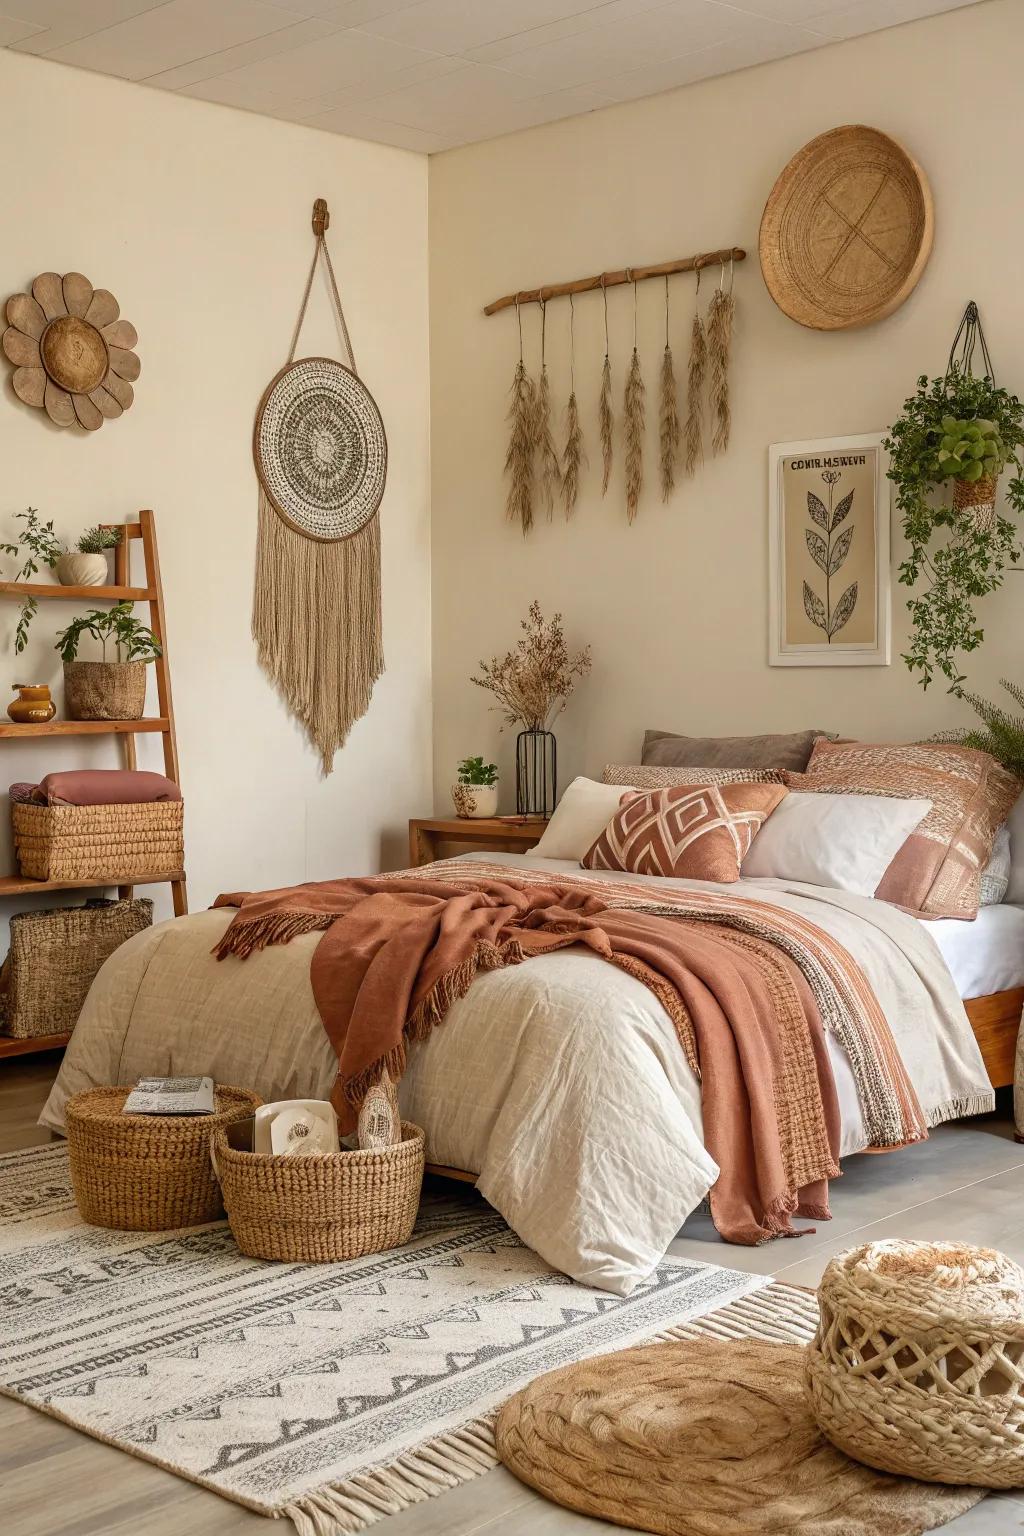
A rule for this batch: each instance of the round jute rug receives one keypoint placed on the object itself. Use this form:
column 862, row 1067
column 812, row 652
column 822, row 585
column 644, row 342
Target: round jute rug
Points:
column 704, row 1438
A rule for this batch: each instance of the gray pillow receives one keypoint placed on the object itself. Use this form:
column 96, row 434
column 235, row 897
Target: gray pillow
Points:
column 663, row 749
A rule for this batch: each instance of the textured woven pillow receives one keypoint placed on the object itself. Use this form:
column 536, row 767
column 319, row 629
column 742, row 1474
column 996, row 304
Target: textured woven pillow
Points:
column 937, row 872
column 650, row 776
column 688, row 833
column 665, row 750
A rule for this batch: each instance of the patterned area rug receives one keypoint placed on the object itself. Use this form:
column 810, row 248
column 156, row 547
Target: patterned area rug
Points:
column 334, row 1394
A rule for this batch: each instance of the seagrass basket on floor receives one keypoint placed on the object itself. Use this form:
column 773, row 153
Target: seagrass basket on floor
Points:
column 53, row 960
column 917, row 1366
column 146, row 1173
column 95, row 842
column 322, row 1209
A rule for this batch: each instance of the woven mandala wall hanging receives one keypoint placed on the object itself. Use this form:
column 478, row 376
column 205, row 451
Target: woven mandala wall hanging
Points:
column 72, row 353
column 321, row 460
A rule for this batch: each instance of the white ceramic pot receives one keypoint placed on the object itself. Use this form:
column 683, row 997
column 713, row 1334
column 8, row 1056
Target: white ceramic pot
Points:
column 475, row 799
column 75, row 570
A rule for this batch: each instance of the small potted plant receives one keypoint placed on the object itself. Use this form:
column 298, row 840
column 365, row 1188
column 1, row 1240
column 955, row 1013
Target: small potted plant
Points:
column 37, row 545
column 476, row 793
column 88, row 566
column 107, row 690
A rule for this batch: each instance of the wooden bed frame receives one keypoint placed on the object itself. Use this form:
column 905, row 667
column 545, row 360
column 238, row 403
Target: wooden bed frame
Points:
column 995, row 1020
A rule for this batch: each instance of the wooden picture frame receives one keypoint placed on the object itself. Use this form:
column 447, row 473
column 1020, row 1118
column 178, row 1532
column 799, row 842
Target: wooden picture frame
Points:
column 829, row 594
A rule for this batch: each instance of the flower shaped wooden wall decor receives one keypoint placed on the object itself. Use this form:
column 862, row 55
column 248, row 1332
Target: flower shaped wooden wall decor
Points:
column 72, row 353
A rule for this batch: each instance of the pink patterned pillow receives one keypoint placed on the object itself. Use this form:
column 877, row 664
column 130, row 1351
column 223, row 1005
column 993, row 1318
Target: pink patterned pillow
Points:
column 689, row 832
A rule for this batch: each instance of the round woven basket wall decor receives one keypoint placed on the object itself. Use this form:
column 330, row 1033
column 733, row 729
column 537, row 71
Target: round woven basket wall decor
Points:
column 847, row 230
column 320, row 449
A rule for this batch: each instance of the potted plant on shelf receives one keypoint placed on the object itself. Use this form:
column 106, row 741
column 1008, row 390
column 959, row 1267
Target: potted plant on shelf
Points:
column 107, row 690
column 87, row 566
column 957, row 432
column 476, row 793
column 36, row 545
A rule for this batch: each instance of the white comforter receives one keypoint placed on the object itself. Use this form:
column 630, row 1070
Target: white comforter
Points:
column 560, row 1082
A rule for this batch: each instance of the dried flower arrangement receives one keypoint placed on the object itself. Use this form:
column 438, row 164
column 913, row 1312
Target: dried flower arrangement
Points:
column 720, row 317
column 669, row 429
column 533, row 683
column 549, row 470
column 634, row 425
column 573, row 456
column 695, row 388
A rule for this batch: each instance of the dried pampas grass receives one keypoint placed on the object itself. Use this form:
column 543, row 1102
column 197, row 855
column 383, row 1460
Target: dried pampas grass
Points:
column 544, row 443
column 519, row 458
column 695, row 393
column 720, row 317
column 669, row 430
column 573, row 459
column 634, row 414
column 606, row 421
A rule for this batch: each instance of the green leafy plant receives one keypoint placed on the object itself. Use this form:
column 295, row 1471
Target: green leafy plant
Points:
column 1001, row 733
column 953, row 428
column 37, row 544
column 473, row 770
column 132, row 640
column 95, row 541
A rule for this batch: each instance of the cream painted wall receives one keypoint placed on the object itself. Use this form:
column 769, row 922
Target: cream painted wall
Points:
column 676, row 606
column 197, row 217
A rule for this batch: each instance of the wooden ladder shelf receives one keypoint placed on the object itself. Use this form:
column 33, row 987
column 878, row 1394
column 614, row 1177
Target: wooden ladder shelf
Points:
column 124, row 730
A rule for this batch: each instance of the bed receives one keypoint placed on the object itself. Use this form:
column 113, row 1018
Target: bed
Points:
column 586, row 1137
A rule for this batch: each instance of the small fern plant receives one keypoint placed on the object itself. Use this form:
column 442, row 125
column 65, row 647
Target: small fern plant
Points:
column 1001, row 732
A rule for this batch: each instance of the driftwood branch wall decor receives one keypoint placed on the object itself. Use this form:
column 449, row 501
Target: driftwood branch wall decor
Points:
column 321, row 459
column 72, row 353
column 532, row 462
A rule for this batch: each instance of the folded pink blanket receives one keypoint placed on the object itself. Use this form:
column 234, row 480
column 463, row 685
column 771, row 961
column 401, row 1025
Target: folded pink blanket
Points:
column 99, row 786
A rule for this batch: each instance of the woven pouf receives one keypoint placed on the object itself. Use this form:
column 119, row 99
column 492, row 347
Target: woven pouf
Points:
column 704, row 1437
column 918, row 1363
column 146, row 1173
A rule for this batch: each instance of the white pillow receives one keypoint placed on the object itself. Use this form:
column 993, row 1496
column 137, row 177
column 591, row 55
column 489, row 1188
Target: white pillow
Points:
column 845, row 842
column 1015, row 822
column 995, row 877
column 581, row 815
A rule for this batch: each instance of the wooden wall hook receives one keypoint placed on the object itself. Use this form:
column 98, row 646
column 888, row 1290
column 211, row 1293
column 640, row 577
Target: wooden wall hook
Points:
column 321, row 218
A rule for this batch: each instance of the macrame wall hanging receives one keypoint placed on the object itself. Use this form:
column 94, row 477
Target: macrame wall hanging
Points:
column 321, row 460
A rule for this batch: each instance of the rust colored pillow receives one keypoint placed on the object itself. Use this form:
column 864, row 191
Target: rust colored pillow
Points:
column 690, row 832
column 937, row 872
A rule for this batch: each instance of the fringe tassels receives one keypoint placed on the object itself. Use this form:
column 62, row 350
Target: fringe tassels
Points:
column 720, row 317
column 316, row 620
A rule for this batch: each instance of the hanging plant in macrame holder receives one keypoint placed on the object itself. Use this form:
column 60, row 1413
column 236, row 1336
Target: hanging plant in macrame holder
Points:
column 321, row 459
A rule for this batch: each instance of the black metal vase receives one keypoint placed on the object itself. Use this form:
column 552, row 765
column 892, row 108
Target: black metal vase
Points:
column 536, row 773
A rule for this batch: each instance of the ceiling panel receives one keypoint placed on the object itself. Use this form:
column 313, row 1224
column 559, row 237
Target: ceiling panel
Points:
column 428, row 75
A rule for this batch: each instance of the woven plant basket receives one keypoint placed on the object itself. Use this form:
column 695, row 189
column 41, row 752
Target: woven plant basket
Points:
column 322, row 1209
column 99, row 842
column 53, row 960
column 146, row 1173
column 978, row 497
column 917, row 1366
column 105, row 690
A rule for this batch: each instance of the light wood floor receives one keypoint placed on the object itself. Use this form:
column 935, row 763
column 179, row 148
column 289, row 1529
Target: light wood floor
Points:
column 966, row 1182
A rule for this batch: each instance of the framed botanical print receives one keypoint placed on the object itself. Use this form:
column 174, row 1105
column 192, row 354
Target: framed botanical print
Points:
column 828, row 554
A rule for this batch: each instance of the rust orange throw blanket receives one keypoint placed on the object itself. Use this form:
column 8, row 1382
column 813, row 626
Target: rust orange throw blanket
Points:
column 397, row 952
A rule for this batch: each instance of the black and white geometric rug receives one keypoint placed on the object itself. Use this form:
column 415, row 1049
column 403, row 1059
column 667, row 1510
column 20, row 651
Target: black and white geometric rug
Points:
column 334, row 1394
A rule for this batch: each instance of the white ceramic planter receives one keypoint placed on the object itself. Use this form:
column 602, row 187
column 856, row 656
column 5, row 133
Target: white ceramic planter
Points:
column 75, row 570
column 475, row 799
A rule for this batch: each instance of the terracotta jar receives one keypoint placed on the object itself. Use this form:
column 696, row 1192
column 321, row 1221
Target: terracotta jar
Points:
column 33, row 706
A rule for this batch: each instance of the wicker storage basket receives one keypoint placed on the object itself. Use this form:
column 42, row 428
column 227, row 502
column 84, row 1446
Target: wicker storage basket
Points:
column 146, row 1173
column 322, row 1209
column 53, row 960
column 99, row 842
column 917, row 1366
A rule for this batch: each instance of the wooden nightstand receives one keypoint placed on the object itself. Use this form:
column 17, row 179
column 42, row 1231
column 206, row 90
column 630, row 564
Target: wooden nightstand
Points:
column 472, row 834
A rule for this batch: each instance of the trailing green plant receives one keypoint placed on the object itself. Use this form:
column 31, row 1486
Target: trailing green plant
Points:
column 957, row 427
column 94, row 541
column 473, row 770
column 1001, row 733
column 132, row 640
column 36, row 545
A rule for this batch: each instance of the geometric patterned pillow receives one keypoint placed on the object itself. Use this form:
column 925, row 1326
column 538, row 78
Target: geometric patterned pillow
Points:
column 653, row 776
column 690, row 832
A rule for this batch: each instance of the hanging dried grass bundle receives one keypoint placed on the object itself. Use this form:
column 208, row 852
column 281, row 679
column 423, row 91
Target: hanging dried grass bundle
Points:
column 634, row 422
column 606, row 421
column 669, row 430
column 573, row 456
column 720, row 317
column 695, row 388
column 519, row 457
column 544, row 443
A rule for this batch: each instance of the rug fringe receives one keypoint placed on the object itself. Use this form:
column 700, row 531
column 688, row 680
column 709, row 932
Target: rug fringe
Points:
column 783, row 1313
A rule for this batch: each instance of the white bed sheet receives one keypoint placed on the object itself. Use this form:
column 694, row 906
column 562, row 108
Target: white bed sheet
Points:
column 986, row 955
